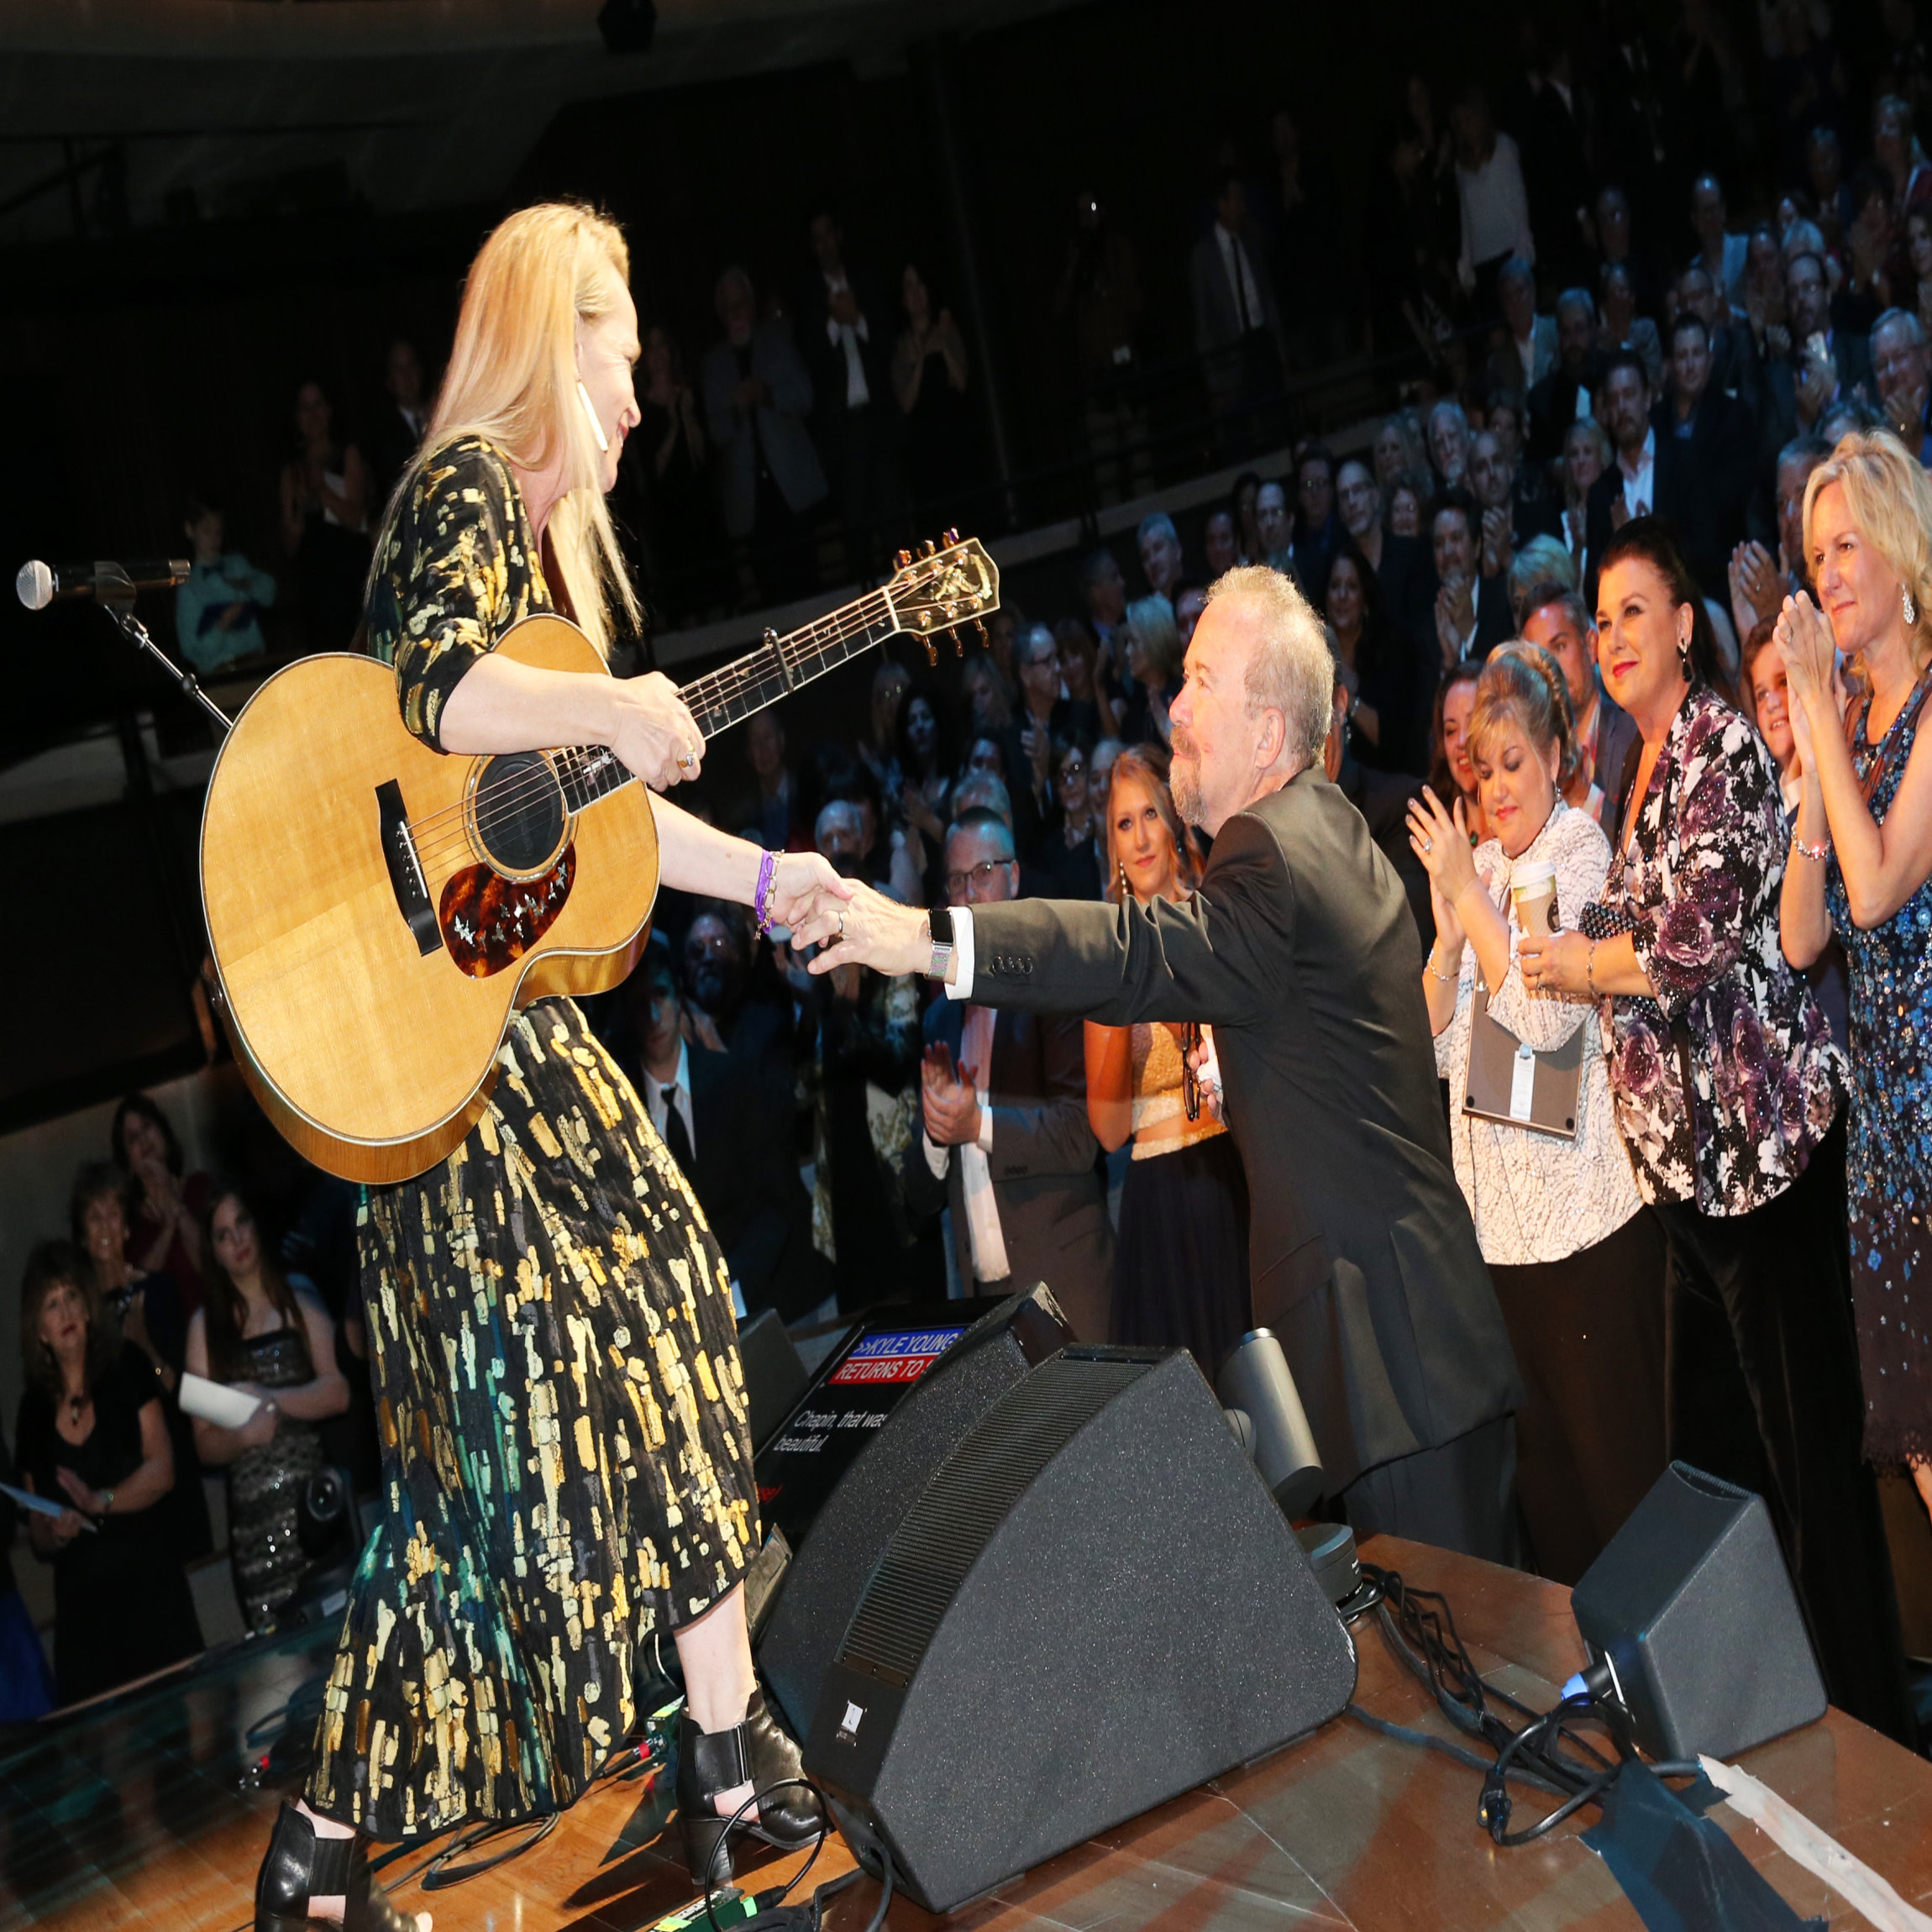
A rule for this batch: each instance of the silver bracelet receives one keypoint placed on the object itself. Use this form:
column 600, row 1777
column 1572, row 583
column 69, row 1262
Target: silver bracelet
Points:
column 1447, row 979
column 1816, row 854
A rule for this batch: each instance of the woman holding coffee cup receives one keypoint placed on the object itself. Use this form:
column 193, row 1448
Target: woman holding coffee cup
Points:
column 1576, row 1258
column 1730, row 1098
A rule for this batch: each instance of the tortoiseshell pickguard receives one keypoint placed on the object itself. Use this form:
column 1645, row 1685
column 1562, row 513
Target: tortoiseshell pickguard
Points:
column 490, row 922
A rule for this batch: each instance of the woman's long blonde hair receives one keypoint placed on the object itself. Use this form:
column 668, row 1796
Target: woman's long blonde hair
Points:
column 1891, row 502
column 512, row 380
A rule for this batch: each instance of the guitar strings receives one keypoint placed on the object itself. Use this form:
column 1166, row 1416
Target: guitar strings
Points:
column 717, row 692
column 714, row 694
column 564, row 767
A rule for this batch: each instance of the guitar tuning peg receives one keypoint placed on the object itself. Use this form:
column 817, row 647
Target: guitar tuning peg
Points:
column 926, row 548
column 980, row 625
column 932, row 653
column 958, row 643
column 904, row 559
column 948, row 537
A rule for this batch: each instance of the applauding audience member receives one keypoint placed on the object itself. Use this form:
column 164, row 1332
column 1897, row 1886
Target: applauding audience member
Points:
column 92, row 1437
column 1861, row 867
column 166, row 1231
column 263, row 1338
column 1576, row 1259
column 1180, row 1270
column 1730, row 1098
column 1765, row 698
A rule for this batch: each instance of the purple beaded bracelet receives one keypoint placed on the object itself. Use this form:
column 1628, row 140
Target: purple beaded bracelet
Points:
column 767, row 871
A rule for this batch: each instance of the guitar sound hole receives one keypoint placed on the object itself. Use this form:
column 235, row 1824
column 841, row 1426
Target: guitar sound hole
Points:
column 519, row 811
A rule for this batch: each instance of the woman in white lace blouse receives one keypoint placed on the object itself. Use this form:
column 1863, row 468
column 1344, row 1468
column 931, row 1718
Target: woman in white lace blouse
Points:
column 1577, row 1258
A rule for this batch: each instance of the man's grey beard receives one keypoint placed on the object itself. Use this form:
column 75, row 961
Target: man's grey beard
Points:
column 1186, row 789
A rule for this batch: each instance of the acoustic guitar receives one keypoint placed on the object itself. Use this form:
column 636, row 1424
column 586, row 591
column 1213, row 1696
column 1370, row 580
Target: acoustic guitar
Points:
column 378, row 911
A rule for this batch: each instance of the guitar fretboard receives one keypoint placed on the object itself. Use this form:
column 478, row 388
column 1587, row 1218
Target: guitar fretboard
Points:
column 729, row 695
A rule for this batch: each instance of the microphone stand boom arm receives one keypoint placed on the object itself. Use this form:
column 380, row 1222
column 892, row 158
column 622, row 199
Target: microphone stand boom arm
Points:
column 117, row 601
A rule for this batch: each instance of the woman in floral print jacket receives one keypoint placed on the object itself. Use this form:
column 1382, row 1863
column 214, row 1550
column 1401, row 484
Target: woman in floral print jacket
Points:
column 1730, row 1097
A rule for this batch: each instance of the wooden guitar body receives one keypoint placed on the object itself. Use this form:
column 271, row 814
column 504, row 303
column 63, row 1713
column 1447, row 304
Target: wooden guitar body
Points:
column 371, row 1040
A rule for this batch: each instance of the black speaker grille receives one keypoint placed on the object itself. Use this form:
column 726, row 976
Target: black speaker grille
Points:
column 970, row 1496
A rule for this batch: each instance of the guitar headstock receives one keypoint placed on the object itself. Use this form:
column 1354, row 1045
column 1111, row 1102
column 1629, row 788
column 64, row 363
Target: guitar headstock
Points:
column 940, row 589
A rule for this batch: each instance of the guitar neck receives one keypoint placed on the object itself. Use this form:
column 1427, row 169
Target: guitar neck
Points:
column 728, row 696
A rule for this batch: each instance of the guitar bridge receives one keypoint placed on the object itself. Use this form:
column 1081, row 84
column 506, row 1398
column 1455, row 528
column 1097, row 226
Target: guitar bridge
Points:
column 406, row 878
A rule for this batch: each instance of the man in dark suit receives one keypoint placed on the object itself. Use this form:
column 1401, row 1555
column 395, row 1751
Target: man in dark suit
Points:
column 1709, row 460
column 1800, row 386
column 404, row 419
column 1557, row 618
column 1553, row 402
column 1398, row 562
column 1042, row 715
column 1460, row 613
column 726, row 1119
column 1238, row 328
column 1637, row 482
column 757, row 391
column 846, row 328
column 1006, row 1144
column 1299, row 949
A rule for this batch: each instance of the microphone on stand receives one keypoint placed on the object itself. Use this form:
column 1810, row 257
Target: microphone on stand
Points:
column 40, row 584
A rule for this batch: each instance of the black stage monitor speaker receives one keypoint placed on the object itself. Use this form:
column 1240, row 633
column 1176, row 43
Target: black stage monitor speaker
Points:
column 1691, row 1604
column 1093, row 1605
column 850, row 1529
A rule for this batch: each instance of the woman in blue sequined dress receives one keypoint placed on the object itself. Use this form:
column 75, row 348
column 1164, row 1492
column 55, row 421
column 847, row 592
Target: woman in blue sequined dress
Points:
column 1860, row 865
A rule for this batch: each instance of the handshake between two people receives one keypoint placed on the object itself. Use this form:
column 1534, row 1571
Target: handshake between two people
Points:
column 850, row 923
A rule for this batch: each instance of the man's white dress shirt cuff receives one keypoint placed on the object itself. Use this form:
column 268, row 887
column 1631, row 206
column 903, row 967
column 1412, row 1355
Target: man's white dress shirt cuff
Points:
column 960, row 986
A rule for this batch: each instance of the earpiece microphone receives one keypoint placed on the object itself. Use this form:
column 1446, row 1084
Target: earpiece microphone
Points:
column 596, row 427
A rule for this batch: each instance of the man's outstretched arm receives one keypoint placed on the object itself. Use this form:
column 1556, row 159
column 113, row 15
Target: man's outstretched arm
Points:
column 1219, row 956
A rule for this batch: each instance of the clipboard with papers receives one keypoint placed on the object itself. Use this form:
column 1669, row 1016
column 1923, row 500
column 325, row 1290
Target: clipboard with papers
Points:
column 1512, row 1083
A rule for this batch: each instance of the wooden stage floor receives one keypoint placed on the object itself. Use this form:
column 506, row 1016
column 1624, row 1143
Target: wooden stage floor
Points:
column 135, row 1815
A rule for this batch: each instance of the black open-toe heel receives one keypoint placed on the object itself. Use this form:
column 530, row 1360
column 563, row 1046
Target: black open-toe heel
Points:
column 301, row 1865
column 759, row 1753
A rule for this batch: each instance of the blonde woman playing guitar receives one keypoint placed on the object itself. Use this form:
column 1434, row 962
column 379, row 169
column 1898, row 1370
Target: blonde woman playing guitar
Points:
column 565, row 1458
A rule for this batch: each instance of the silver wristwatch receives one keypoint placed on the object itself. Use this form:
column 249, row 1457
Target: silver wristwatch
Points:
column 940, row 923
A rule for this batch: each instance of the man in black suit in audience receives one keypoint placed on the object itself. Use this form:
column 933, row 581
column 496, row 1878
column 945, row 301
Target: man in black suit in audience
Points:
column 726, row 1119
column 1006, row 1144
column 404, row 419
column 1299, row 949
column 1800, row 386
column 1709, row 457
column 846, row 328
column 1398, row 562
column 1460, row 613
column 1554, row 402
column 1639, row 482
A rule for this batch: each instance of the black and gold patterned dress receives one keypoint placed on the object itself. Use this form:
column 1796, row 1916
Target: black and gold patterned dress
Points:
column 566, row 1466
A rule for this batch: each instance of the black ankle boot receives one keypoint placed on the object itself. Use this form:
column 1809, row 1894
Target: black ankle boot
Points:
column 791, row 1817
column 301, row 1865
column 758, row 1753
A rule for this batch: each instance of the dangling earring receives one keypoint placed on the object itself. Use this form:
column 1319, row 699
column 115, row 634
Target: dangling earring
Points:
column 1906, row 603
column 1683, row 657
column 1122, row 864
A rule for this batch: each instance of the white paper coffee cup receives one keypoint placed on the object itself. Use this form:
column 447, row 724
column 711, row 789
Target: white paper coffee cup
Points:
column 1533, row 887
